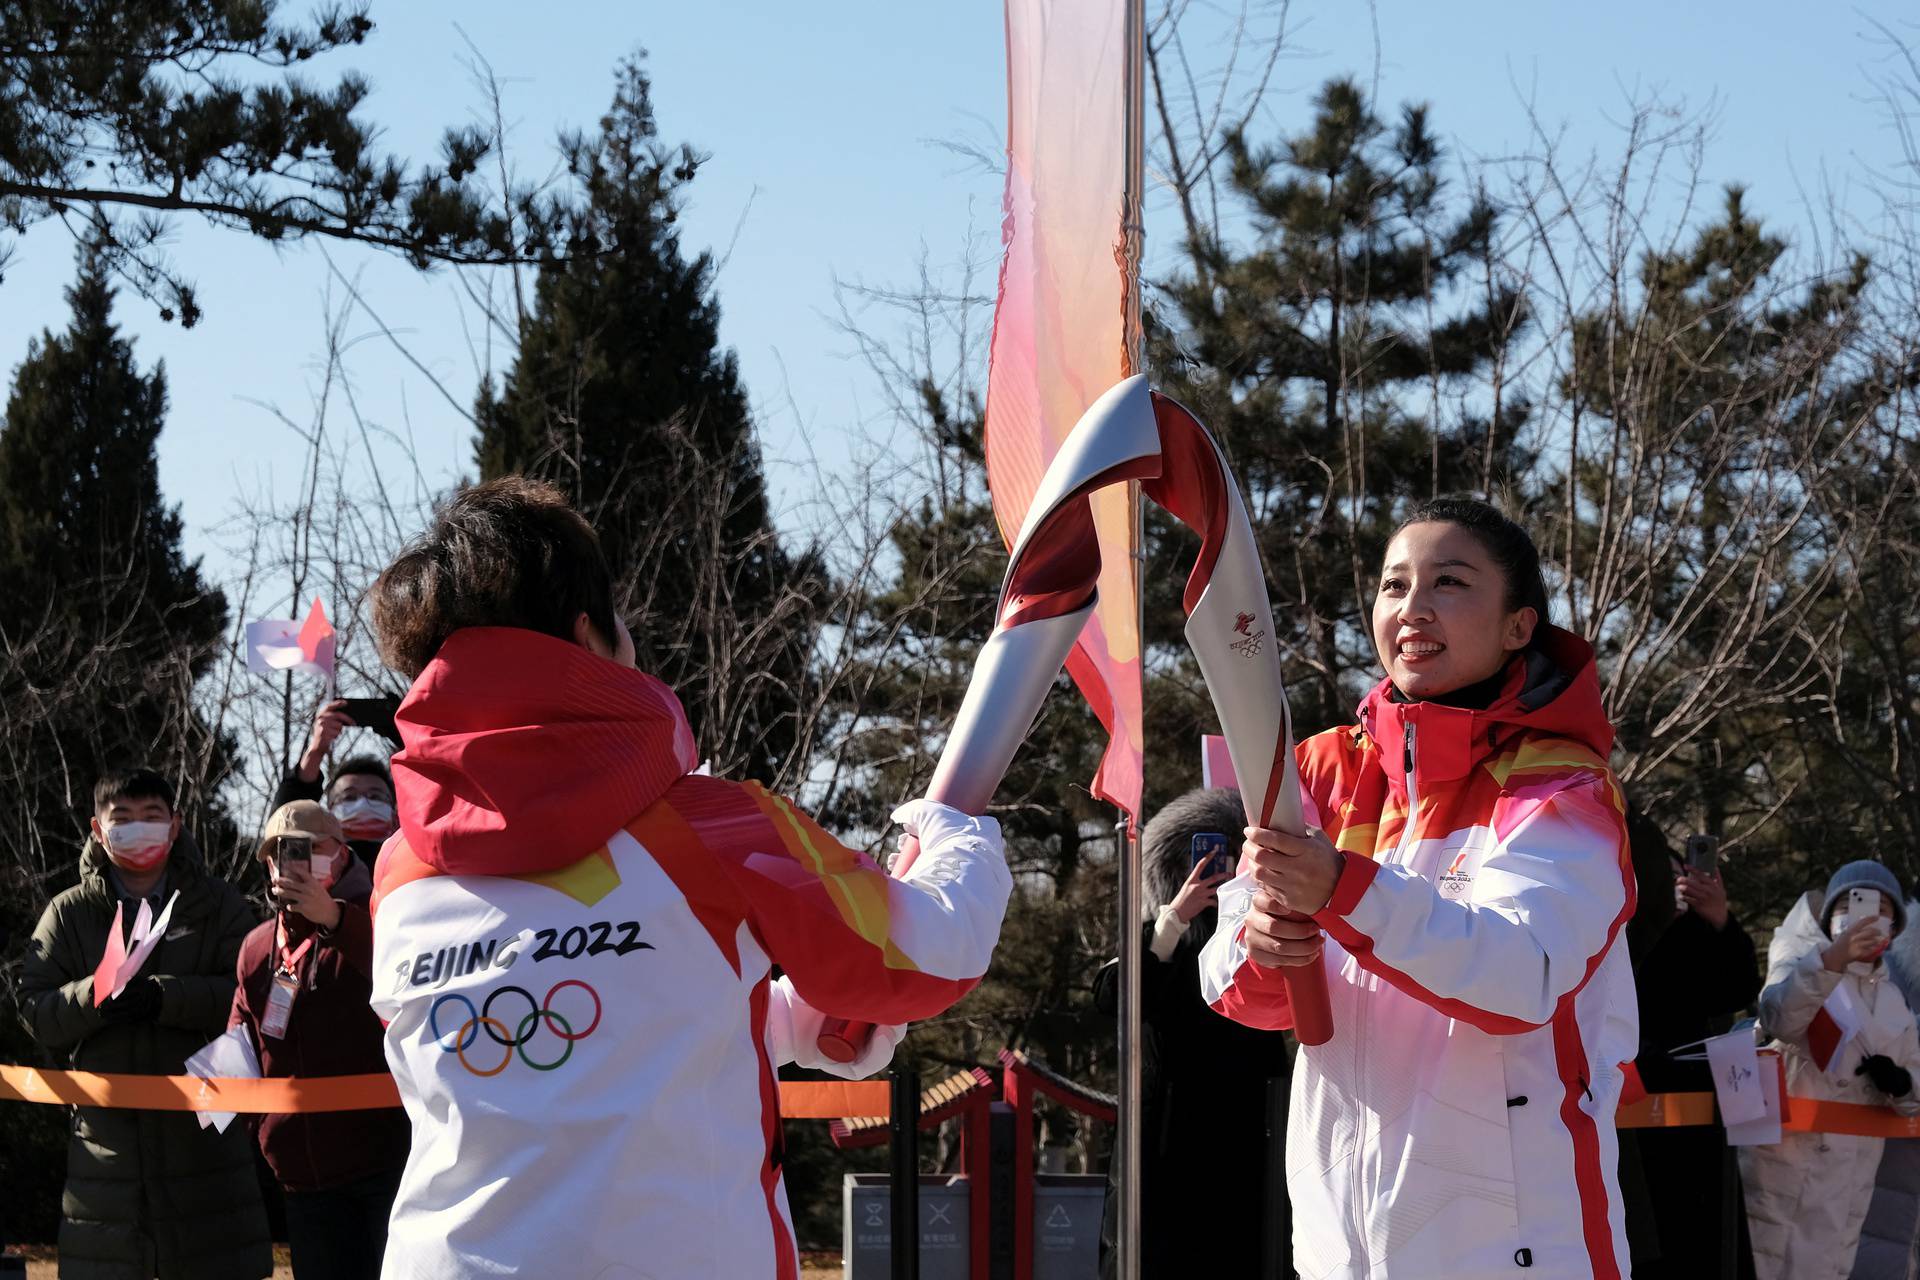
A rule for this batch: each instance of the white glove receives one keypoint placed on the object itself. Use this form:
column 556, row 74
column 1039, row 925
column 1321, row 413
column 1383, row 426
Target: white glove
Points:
column 793, row 1035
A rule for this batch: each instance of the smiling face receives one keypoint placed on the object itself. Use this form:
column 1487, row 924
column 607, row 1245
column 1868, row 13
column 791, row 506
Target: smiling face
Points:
column 1440, row 620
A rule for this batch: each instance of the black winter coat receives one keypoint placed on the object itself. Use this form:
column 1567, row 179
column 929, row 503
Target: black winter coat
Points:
column 148, row 1192
column 1203, row 1195
column 1691, row 981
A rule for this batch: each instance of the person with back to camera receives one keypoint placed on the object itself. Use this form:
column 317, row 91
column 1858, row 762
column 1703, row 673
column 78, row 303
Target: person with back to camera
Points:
column 574, row 934
column 1467, row 861
column 1807, row 1195
column 1197, row 1174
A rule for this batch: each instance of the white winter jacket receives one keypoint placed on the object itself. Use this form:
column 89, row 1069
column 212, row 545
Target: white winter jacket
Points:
column 1459, row 1124
column 1807, row 1196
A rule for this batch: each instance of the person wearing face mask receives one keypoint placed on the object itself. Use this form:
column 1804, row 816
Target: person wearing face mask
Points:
column 148, row 1193
column 359, row 792
column 1466, row 873
column 1807, row 1195
column 575, row 934
column 305, row 978
column 1196, row 1174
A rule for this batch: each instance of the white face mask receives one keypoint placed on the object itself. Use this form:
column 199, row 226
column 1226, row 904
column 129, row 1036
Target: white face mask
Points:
column 364, row 817
column 139, row 846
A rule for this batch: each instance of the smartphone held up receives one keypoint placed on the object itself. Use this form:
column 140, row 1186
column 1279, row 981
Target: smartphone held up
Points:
column 1211, row 848
column 295, row 849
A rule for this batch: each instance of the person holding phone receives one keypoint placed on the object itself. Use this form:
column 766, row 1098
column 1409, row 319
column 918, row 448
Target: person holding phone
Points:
column 359, row 791
column 1846, row 1034
column 305, row 979
column 1198, row 1173
column 1695, row 970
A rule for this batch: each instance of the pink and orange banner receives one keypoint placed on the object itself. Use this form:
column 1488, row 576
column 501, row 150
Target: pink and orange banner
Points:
column 1060, row 326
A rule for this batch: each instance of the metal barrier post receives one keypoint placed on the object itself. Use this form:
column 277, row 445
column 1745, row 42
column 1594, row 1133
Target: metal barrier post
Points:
column 903, row 1131
column 1276, row 1218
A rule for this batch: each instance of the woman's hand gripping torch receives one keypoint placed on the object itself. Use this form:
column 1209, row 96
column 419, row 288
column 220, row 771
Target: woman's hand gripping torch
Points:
column 1130, row 433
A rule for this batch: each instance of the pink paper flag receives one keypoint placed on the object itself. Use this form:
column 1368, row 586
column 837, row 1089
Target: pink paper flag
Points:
column 1216, row 766
column 108, row 970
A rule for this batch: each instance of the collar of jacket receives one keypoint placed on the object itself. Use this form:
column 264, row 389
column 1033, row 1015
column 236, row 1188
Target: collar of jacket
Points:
column 1552, row 689
column 524, row 753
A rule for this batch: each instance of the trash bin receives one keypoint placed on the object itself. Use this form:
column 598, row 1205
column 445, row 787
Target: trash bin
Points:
column 866, row 1227
column 1066, row 1225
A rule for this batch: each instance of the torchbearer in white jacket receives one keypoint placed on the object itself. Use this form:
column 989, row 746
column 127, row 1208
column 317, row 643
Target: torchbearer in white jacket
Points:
column 1471, row 874
column 1846, row 1035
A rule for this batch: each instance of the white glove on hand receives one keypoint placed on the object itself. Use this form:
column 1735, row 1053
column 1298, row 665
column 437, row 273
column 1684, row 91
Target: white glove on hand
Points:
column 793, row 1034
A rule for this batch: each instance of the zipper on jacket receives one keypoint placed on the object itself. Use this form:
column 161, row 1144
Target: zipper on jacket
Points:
column 1357, row 1194
column 1413, row 799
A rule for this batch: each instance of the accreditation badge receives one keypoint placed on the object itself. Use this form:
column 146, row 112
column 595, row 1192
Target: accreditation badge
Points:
column 280, row 995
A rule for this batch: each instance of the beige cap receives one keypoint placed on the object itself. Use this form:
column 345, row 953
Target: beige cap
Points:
column 309, row 817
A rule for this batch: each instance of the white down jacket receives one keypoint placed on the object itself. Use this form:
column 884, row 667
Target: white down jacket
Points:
column 1807, row 1196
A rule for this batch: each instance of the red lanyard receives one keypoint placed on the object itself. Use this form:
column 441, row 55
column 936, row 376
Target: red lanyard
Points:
column 290, row 960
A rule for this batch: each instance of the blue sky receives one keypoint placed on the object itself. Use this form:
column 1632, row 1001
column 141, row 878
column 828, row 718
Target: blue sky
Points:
column 823, row 124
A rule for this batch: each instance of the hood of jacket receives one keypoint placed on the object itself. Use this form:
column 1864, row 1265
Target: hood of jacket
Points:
column 1800, row 932
column 1552, row 690
column 524, row 753
column 1166, row 845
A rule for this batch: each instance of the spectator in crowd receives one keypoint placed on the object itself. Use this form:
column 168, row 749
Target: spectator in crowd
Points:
column 1694, row 970
column 148, row 1193
column 1198, row 1174
column 1467, row 858
column 1890, row 1236
column 1807, row 1196
column 305, row 977
column 574, row 934
column 359, row 792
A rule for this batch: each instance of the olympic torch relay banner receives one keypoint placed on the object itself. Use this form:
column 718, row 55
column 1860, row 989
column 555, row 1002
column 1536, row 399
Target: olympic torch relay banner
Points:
column 1059, row 326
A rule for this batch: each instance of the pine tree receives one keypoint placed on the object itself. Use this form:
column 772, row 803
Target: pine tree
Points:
column 1331, row 357
column 621, row 394
column 124, row 114
column 105, row 626
column 1741, row 527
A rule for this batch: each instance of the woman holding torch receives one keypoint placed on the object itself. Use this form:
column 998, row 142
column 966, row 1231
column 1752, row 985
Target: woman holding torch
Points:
column 1466, row 874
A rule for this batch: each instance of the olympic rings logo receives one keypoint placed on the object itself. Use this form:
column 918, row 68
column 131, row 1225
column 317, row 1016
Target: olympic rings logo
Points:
column 537, row 1016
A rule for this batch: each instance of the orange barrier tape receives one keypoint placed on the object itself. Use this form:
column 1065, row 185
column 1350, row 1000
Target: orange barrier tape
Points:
column 799, row 1099
column 1804, row 1115
column 834, row 1099
column 190, row 1093
column 1808, row 1115
column 1666, row 1111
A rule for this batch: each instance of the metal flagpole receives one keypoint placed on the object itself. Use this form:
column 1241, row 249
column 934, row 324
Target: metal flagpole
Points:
column 1128, row 1147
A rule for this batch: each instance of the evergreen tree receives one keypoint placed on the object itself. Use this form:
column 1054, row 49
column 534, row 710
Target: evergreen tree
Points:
column 188, row 106
column 104, row 628
column 1333, row 358
column 621, row 394
column 1740, row 529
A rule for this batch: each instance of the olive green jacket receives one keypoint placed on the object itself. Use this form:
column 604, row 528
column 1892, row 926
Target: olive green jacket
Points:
column 148, row 1193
